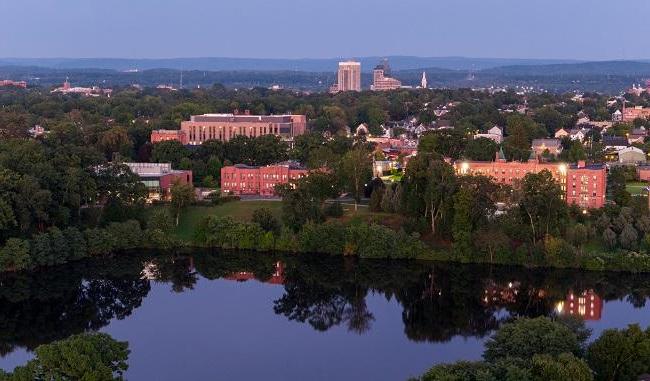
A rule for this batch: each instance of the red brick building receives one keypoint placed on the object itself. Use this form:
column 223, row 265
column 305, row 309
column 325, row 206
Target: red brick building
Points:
column 243, row 179
column 165, row 135
column 224, row 127
column 629, row 114
column 10, row 83
column 583, row 185
column 159, row 178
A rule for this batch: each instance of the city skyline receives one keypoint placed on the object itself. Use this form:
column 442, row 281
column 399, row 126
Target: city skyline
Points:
column 466, row 28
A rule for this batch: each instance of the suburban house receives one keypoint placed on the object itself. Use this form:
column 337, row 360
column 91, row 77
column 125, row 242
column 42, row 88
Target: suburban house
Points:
column 614, row 142
column 579, row 134
column 637, row 135
column 631, row 155
column 561, row 133
column 495, row 134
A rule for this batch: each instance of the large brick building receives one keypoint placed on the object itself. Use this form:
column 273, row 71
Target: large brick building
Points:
column 243, row 179
column 159, row 178
column 10, row 83
column 583, row 185
column 629, row 114
column 224, row 127
column 165, row 135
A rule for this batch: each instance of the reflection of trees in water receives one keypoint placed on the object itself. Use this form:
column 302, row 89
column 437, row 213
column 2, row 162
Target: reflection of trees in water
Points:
column 439, row 301
column 177, row 270
column 43, row 306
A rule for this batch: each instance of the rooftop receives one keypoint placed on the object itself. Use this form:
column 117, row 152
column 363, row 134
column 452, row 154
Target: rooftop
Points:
column 287, row 118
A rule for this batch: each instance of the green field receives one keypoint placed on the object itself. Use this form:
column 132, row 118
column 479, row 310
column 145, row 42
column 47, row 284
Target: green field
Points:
column 192, row 216
column 636, row 188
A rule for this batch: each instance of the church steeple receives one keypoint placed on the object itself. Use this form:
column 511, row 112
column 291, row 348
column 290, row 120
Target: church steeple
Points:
column 423, row 83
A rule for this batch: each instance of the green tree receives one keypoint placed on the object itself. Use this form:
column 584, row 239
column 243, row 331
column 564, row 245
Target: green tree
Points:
column 14, row 255
column 525, row 338
column 170, row 151
column 541, row 204
column 182, row 196
column 356, row 172
column 565, row 366
column 481, row 149
column 267, row 220
column 88, row 356
column 439, row 191
column 462, row 226
column 520, row 131
column 620, row 355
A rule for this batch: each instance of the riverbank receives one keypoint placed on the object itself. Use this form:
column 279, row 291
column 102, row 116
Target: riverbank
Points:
column 355, row 233
column 331, row 240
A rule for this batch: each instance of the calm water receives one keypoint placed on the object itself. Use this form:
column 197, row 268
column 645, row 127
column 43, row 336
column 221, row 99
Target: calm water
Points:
column 249, row 317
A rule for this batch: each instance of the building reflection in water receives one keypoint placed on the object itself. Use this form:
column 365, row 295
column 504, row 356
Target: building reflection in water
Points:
column 276, row 278
column 497, row 294
column 587, row 305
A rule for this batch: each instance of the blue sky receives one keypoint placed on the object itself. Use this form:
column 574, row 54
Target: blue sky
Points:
column 578, row 29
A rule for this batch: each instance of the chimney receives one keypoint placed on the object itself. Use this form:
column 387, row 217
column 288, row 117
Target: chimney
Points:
column 581, row 163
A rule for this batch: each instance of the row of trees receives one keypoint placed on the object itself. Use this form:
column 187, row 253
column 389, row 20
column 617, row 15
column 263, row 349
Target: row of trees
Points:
column 265, row 233
column 542, row 349
column 56, row 246
column 51, row 183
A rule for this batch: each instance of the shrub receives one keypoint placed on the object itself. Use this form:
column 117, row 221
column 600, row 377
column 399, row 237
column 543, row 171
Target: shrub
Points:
column 329, row 237
column 287, row 241
column 333, row 209
column 14, row 256
column 99, row 242
column 375, row 199
column 76, row 243
column 266, row 220
column 127, row 235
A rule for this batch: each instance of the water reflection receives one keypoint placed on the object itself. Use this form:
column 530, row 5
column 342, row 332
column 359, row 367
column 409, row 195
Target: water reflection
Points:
column 438, row 301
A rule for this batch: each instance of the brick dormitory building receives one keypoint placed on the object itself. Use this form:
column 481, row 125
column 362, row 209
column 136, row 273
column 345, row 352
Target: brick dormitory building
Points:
column 224, row 127
column 244, row 179
column 583, row 185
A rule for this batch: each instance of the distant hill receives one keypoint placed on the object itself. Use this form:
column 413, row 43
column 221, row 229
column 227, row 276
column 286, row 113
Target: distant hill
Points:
column 263, row 64
column 604, row 76
column 625, row 68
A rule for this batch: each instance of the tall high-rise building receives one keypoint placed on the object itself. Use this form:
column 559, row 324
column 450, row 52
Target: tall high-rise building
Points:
column 381, row 79
column 423, row 83
column 349, row 76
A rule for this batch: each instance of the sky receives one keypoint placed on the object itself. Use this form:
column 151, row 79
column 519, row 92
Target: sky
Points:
column 563, row 29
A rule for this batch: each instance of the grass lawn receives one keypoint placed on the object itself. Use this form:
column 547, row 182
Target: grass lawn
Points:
column 239, row 210
column 636, row 188
column 192, row 216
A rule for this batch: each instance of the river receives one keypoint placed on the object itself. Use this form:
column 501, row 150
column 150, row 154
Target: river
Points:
column 222, row 316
